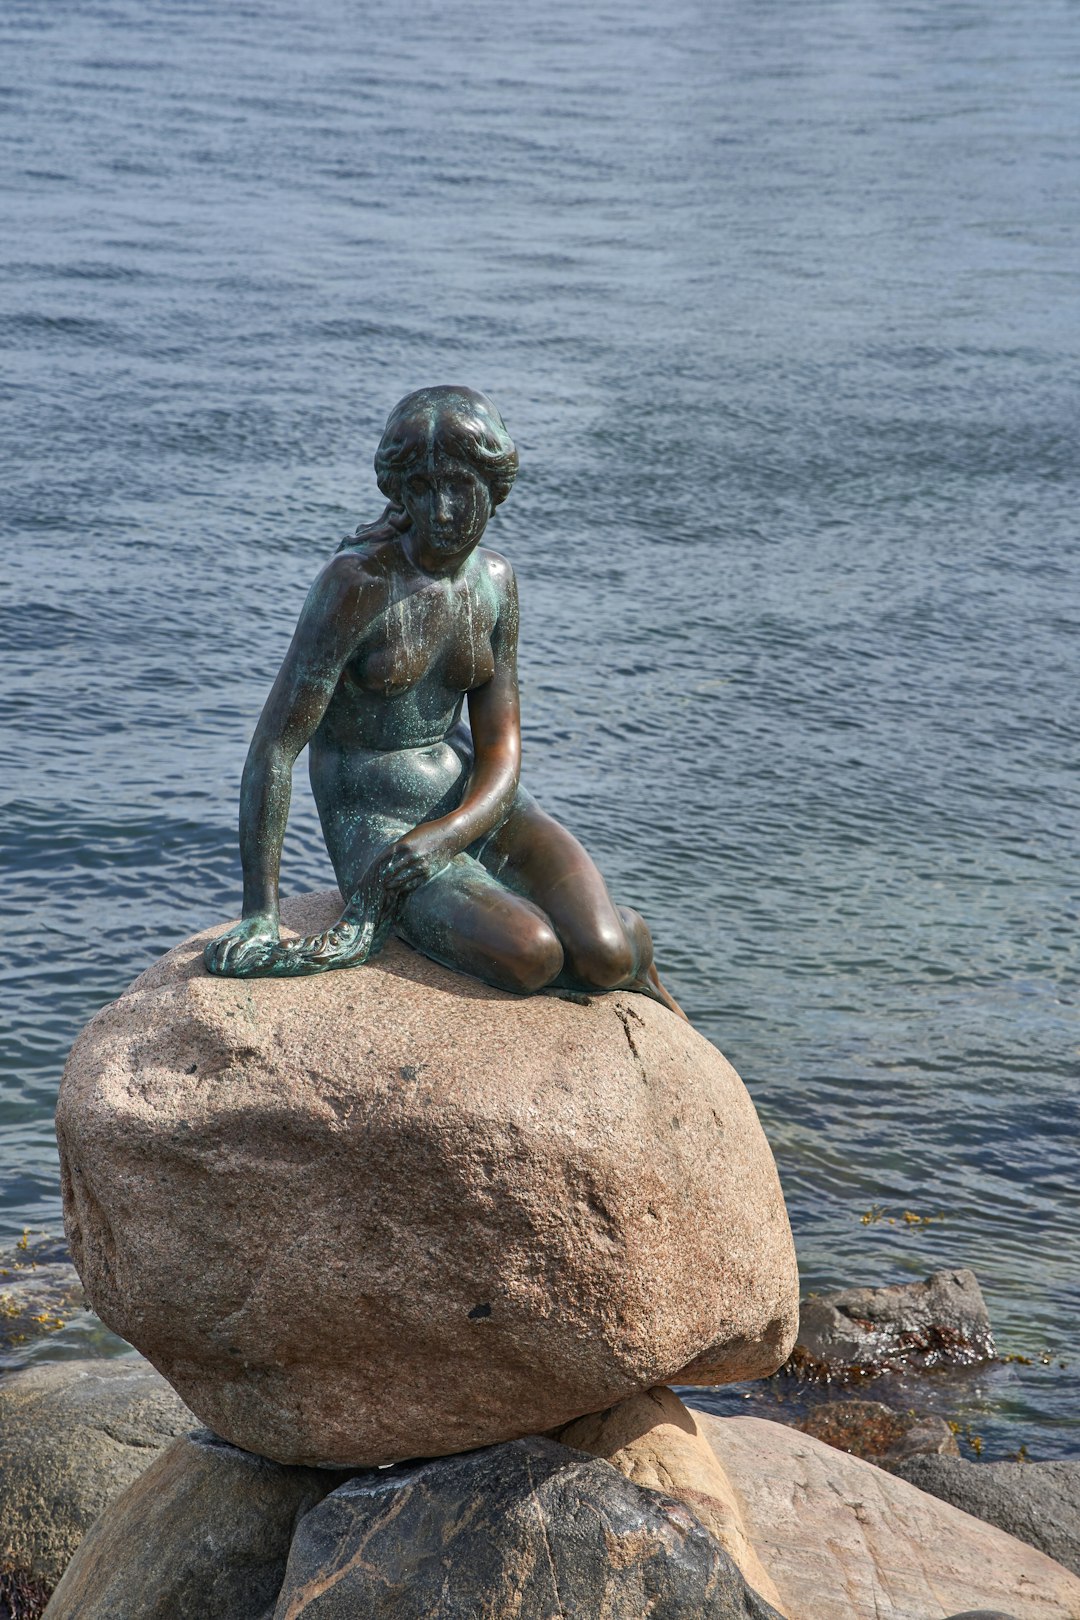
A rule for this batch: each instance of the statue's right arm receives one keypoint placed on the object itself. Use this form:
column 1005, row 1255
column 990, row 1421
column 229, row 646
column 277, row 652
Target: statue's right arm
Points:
column 326, row 636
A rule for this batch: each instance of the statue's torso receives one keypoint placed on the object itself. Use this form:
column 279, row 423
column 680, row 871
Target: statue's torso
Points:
column 386, row 755
column 424, row 647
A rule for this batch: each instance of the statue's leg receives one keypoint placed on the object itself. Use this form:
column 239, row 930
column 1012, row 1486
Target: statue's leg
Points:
column 606, row 947
column 467, row 920
column 358, row 934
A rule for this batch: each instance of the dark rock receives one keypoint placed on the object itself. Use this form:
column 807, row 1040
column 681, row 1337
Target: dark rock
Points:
column 203, row 1535
column 877, row 1432
column 861, row 1332
column 73, row 1435
column 928, row 1436
column 656, row 1441
column 1038, row 1502
column 527, row 1530
column 983, row 1614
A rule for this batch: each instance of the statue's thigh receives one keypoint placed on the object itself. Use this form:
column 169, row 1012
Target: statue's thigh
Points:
column 467, row 919
column 534, row 855
column 541, row 861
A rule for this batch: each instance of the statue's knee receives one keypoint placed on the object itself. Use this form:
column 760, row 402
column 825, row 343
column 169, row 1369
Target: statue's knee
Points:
column 536, row 960
column 607, row 960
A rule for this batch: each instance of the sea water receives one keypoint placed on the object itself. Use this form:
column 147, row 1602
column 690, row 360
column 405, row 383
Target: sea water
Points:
column 780, row 304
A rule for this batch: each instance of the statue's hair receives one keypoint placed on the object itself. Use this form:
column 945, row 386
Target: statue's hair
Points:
column 462, row 421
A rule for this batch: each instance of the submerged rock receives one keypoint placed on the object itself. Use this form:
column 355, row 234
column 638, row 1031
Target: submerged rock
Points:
column 203, row 1534
column 1039, row 1502
column 73, row 1436
column 877, row 1432
column 522, row 1531
column 393, row 1212
column 40, row 1292
column 861, row 1332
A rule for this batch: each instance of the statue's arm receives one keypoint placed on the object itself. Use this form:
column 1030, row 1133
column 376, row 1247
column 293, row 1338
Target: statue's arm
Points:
column 325, row 637
column 495, row 721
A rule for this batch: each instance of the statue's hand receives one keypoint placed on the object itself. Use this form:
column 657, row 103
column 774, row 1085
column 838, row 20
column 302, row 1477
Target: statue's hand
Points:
column 246, row 944
column 403, row 866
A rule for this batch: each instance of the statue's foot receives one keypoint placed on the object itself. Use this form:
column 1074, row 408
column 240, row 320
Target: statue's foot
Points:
column 653, row 986
column 347, row 944
column 359, row 934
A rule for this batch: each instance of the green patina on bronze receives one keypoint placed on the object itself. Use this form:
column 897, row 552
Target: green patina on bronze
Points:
column 429, row 830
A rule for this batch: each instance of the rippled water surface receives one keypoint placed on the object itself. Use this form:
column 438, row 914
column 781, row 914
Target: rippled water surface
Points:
column 780, row 303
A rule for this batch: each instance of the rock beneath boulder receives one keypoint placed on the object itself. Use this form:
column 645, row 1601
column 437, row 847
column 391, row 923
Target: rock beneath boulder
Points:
column 523, row 1531
column 843, row 1540
column 203, row 1534
column 393, row 1212
column 860, row 1332
column 73, row 1436
column 1039, row 1502
column 879, row 1433
column 654, row 1440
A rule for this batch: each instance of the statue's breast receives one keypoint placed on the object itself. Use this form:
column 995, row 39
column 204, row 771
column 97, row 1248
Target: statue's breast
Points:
column 468, row 660
column 443, row 632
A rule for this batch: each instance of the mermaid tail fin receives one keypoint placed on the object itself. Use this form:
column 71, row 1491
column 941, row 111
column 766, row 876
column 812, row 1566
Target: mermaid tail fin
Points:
column 359, row 934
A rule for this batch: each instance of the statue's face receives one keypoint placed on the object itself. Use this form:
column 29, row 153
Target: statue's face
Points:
column 448, row 502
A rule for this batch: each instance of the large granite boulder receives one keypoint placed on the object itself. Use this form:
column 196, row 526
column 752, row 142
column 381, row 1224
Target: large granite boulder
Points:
column 523, row 1531
column 843, row 1540
column 203, row 1534
column 392, row 1212
column 73, row 1435
column 1038, row 1502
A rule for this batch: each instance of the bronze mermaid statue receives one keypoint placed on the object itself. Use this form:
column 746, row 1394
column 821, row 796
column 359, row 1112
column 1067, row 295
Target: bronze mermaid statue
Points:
column 429, row 830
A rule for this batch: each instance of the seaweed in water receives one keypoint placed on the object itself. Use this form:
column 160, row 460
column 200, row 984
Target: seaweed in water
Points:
column 21, row 1597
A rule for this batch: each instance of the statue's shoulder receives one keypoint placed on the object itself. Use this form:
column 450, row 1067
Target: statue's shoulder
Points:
column 498, row 570
column 352, row 586
column 368, row 563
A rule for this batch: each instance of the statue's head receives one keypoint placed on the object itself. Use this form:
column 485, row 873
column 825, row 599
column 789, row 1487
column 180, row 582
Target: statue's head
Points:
column 445, row 425
column 446, row 457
